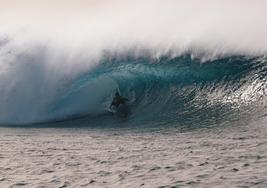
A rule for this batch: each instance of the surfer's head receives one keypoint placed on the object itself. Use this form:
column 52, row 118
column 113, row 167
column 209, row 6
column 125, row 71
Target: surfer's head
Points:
column 117, row 94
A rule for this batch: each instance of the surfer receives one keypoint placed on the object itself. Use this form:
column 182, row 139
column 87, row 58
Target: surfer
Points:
column 118, row 100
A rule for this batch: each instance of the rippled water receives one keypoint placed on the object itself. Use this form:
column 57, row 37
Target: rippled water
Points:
column 122, row 157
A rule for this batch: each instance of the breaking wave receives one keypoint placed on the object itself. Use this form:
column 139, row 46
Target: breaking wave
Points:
column 168, row 89
column 179, row 62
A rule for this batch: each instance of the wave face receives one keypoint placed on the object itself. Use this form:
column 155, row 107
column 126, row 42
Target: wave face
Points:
column 168, row 90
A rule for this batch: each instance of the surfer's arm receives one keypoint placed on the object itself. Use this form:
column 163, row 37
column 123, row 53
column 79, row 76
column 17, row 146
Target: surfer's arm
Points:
column 112, row 104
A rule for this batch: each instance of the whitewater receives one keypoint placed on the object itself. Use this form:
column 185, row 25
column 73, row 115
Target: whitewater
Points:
column 194, row 74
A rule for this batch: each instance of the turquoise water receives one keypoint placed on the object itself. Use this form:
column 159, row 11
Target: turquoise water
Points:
column 168, row 91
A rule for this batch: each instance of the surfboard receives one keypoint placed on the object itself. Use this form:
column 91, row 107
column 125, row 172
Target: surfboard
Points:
column 122, row 111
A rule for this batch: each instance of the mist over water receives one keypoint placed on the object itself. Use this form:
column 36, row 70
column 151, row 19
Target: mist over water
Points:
column 218, row 26
column 183, row 58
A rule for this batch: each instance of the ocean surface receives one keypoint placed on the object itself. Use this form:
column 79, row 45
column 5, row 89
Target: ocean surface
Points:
column 231, row 155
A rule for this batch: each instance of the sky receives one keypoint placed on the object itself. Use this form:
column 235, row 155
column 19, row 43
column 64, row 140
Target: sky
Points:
column 49, row 11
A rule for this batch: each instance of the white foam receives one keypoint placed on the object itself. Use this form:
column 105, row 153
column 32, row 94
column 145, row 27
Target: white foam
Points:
column 216, row 26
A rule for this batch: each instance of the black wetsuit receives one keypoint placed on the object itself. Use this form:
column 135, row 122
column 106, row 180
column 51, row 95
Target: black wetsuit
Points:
column 118, row 100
